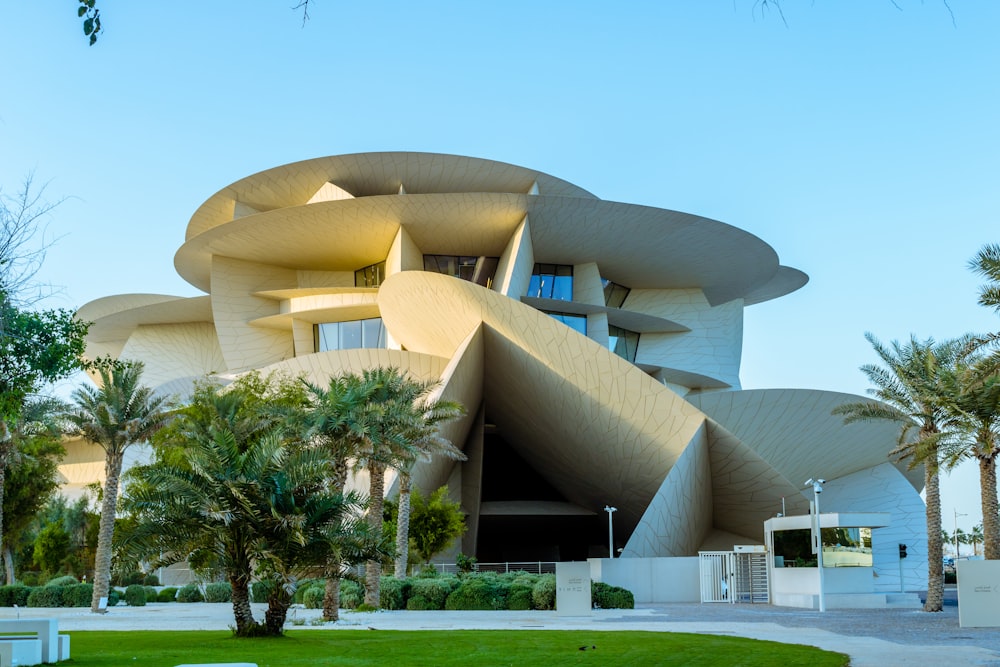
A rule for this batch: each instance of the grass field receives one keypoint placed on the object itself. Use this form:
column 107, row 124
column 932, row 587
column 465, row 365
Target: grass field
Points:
column 360, row 648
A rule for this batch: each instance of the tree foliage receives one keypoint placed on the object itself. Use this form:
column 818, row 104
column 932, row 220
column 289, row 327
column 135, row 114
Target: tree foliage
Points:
column 435, row 522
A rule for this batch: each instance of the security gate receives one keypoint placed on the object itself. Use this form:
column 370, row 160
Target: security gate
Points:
column 734, row 576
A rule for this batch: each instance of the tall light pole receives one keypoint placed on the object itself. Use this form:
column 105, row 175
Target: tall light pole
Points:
column 817, row 486
column 611, row 530
column 955, row 534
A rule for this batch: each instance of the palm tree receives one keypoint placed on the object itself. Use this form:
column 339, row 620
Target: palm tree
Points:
column 957, row 538
column 428, row 416
column 330, row 422
column 117, row 414
column 974, row 401
column 909, row 389
column 976, row 538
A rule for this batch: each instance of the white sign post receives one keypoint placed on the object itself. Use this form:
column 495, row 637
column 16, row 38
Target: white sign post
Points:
column 978, row 593
column 573, row 589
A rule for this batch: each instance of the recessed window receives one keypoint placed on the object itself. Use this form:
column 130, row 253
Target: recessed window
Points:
column 349, row 335
column 842, row 547
column 552, row 281
column 614, row 294
column 623, row 342
column 576, row 322
column 479, row 270
column 370, row 276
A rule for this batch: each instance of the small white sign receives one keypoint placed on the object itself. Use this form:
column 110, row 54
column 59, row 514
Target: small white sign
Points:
column 573, row 589
column 102, row 603
column 978, row 593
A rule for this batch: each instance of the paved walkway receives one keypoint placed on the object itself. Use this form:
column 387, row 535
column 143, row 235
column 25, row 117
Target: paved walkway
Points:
column 873, row 638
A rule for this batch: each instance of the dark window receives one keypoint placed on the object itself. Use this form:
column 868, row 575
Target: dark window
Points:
column 479, row 270
column 614, row 294
column 349, row 335
column 552, row 281
column 623, row 342
column 370, row 276
column 842, row 547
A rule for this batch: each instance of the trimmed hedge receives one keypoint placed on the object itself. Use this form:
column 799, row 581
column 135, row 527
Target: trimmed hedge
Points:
column 46, row 596
column 65, row 580
column 259, row 590
column 483, row 592
column 14, row 595
column 430, row 593
column 78, row 595
column 190, row 593
column 312, row 596
column 168, row 594
column 543, row 593
column 606, row 596
column 519, row 598
column 135, row 596
column 352, row 594
column 151, row 580
column 219, row 591
column 150, row 594
column 393, row 592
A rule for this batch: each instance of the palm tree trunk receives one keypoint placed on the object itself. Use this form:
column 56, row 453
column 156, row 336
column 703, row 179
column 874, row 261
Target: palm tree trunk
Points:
column 331, row 595
column 935, row 573
column 245, row 623
column 106, row 531
column 403, row 525
column 277, row 610
column 991, row 519
column 373, row 568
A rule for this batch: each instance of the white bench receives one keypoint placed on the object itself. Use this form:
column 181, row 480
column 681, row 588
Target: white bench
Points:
column 20, row 651
column 46, row 633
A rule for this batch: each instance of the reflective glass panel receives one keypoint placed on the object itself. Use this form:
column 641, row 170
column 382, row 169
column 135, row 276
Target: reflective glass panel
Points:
column 350, row 335
column 552, row 281
column 614, row 294
column 479, row 270
column 576, row 322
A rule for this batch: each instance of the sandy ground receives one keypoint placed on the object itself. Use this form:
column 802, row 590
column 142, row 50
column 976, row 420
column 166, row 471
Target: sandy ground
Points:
column 873, row 638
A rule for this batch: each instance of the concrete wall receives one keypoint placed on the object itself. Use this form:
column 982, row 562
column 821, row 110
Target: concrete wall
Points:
column 651, row 579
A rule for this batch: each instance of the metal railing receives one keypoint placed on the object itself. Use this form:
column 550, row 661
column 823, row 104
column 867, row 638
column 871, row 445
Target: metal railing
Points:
column 534, row 567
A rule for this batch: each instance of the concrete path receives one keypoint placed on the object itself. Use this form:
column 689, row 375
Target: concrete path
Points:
column 907, row 638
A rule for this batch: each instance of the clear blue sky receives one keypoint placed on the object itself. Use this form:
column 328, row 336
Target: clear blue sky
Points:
column 860, row 140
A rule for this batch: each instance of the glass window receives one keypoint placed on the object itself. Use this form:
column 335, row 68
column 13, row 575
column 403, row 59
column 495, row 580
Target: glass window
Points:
column 479, row 270
column 614, row 294
column 370, row 276
column 349, row 335
column 842, row 547
column 623, row 342
column 575, row 322
column 552, row 281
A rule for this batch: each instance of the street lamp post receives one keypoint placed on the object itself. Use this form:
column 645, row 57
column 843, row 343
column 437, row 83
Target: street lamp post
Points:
column 955, row 535
column 611, row 530
column 817, row 485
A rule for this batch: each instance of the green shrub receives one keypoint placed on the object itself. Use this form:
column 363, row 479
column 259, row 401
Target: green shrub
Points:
column 46, row 596
column 135, row 595
column 259, row 590
column 115, row 596
column 303, row 586
column 352, row 594
column 428, row 593
column 64, row 580
column 519, row 598
column 219, row 591
column 479, row 592
column 30, row 578
column 313, row 596
column 151, row 580
column 190, row 593
column 78, row 595
column 605, row 596
column 528, row 579
column 150, row 593
column 543, row 593
column 14, row 595
column 393, row 593
column 168, row 594
column 465, row 564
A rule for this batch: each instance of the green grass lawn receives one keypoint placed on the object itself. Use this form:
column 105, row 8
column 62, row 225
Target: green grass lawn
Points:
column 359, row 648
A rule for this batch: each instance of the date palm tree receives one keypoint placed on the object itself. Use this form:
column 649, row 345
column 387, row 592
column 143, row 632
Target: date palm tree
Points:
column 976, row 538
column 115, row 415
column 909, row 386
column 428, row 417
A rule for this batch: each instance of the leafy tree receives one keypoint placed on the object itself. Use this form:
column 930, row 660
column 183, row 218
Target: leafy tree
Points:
column 910, row 387
column 976, row 538
column 117, row 414
column 435, row 523
column 32, row 476
column 91, row 16
column 52, row 548
column 36, row 346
